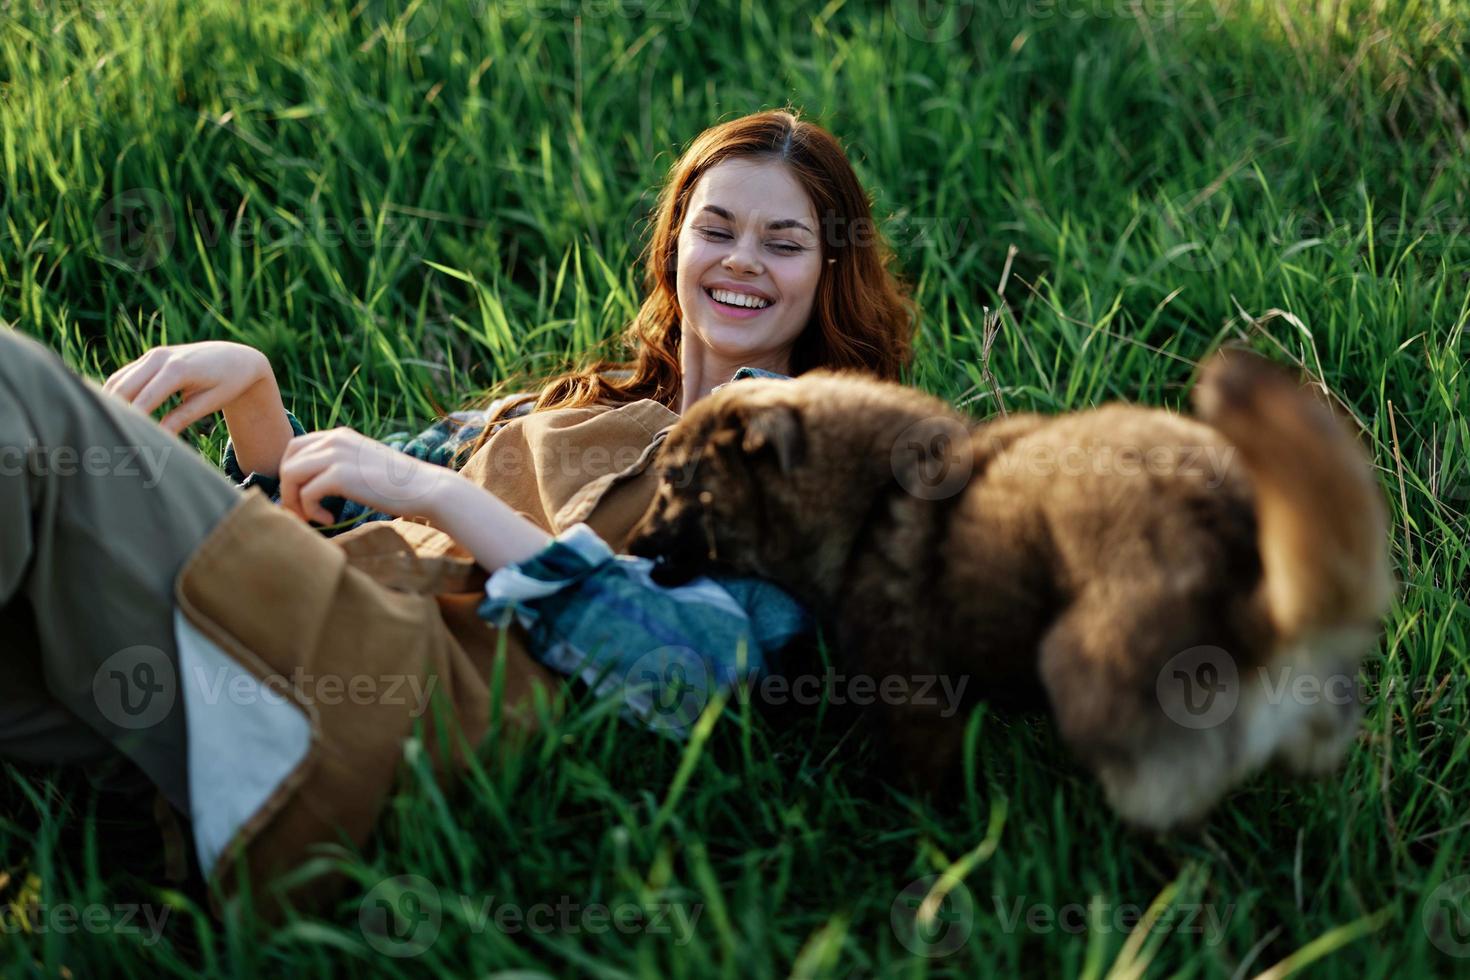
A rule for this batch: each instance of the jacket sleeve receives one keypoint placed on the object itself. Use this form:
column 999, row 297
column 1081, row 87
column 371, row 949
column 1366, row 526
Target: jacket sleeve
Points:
column 665, row 651
column 439, row 444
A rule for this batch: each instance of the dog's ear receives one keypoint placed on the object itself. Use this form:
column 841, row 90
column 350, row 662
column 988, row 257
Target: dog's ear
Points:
column 777, row 429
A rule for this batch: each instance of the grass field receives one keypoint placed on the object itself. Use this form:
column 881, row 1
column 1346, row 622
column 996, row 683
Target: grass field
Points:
column 402, row 204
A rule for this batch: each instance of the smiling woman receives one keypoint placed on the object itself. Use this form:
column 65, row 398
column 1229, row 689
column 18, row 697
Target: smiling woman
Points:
column 740, row 282
column 747, row 277
column 765, row 205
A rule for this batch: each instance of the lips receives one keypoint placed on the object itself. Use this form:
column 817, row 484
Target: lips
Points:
column 739, row 287
column 747, row 310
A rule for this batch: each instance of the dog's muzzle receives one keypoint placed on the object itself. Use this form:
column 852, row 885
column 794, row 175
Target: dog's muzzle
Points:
column 674, row 561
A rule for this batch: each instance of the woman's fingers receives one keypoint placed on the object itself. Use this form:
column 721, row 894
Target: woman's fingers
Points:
column 305, row 457
column 187, row 412
column 338, row 462
column 115, row 378
column 157, row 391
column 311, row 493
column 293, row 473
column 146, row 383
column 290, row 481
column 126, row 381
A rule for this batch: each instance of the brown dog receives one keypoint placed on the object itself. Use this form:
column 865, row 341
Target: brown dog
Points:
column 1193, row 598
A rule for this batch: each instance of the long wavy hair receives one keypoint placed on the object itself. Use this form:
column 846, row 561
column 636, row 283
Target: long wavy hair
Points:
column 863, row 317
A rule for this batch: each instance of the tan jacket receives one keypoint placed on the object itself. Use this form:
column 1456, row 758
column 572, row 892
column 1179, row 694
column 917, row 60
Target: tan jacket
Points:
column 306, row 660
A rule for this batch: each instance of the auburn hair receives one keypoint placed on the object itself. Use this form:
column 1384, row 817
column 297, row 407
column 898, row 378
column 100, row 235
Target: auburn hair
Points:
column 863, row 317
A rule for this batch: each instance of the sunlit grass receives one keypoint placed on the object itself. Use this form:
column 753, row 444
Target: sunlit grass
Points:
column 404, row 204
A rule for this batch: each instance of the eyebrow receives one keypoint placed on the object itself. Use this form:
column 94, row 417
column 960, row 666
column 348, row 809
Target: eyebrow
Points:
column 773, row 226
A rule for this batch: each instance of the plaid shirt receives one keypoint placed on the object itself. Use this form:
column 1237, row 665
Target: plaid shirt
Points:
column 591, row 614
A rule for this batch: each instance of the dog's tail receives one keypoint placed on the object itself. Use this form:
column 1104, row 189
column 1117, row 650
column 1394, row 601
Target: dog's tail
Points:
column 1323, row 526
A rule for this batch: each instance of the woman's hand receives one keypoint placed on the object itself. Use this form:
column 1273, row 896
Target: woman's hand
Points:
column 209, row 375
column 342, row 462
column 212, row 376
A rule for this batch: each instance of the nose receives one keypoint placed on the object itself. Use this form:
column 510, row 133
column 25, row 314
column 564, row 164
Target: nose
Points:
column 742, row 259
column 672, row 563
column 672, row 571
column 645, row 544
column 653, row 536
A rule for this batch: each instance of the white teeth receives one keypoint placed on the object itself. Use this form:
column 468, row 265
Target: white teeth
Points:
column 739, row 299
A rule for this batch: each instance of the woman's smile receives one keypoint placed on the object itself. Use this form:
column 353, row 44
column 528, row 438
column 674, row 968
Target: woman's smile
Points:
column 736, row 308
column 748, row 266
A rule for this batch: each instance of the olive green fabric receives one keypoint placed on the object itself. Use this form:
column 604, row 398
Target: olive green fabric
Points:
column 99, row 509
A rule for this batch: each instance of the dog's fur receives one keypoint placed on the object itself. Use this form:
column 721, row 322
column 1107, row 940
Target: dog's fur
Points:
column 1258, row 533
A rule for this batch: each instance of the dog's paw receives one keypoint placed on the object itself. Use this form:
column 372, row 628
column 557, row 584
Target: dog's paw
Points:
column 1172, row 782
column 1319, row 747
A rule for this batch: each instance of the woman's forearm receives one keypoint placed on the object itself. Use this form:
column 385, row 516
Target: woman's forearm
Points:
column 483, row 524
column 259, row 427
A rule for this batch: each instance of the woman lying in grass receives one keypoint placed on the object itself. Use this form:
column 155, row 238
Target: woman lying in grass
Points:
column 263, row 678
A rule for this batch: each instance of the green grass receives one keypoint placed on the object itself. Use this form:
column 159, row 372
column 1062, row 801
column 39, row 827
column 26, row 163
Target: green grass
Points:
column 1295, row 174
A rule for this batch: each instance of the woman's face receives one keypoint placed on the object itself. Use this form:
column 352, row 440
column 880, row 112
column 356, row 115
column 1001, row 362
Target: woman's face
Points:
column 750, row 229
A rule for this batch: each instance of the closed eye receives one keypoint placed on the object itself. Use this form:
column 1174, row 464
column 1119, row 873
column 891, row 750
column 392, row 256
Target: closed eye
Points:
column 786, row 247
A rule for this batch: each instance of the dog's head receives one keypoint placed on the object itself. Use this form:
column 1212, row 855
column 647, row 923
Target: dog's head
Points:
column 731, row 475
column 775, row 477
